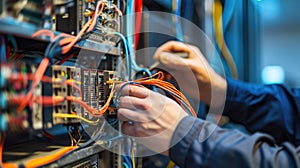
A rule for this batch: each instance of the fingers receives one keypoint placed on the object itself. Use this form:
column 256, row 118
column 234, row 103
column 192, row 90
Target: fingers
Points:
column 135, row 91
column 175, row 46
column 173, row 61
column 133, row 103
column 171, row 46
column 126, row 115
column 164, row 54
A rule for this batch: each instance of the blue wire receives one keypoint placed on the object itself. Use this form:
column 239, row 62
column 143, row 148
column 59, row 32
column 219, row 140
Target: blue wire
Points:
column 129, row 22
column 188, row 9
column 126, row 159
column 3, row 49
column 98, row 19
column 129, row 33
column 228, row 13
column 121, row 88
column 128, row 61
column 182, row 102
column 178, row 18
column 134, row 66
column 125, row 165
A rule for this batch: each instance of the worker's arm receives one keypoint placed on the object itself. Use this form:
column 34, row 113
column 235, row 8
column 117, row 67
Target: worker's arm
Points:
column 273, row 109
column 160, row 123
column 228, row 148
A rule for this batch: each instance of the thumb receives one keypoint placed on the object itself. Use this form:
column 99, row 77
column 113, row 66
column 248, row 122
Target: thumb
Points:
column 172, row 60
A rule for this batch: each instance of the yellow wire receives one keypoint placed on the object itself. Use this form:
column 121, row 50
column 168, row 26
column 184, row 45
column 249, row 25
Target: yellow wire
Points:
column 73, row 81
column 60, row 115
column 71, row 138
column 171, row 164
column 218, row 26
column 173, row 5
column 132, row 158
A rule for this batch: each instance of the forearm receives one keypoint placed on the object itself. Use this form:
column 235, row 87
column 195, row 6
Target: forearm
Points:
column 211, row 146
column 272, row 109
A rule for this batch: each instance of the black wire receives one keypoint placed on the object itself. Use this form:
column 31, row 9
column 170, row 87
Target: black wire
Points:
column 84, row 37
column 117, row 43
column 124, row 6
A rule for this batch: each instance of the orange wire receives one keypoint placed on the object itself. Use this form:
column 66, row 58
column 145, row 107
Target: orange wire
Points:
column 50, row 100
column 1, row 148
column 10, row 165
column 66, row 40
column 63, row 35
column 158, row 75
column 40, row 161
column 157, row 80
column 44, row 100
column 38, row 76
column 69, row 41
column 21, row 76
column 89, row 25
column 44, row 32
column 36, row 162
column 95, row 16
column 92, row 111
column 5, row 165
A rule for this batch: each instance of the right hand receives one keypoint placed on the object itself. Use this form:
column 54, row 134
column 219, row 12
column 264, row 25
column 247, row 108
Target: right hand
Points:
column 208, row 81
column 154, row 117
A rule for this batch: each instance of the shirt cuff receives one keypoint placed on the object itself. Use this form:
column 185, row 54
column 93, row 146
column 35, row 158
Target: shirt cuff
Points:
column 235, row 95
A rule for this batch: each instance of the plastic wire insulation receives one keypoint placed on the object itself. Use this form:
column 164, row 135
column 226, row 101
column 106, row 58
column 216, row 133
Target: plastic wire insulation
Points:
column 74, row 116
column 138, row 21
column 40, row 161
column 3, row 48
column 38, row 76
column 229, row 7
column 129, row 31
column 128, row 60
column 218, row 27
column 176, row 7
column 130, row 22
column 44, row 32
column 70, row 82
column 132, row 157
column 125, row 165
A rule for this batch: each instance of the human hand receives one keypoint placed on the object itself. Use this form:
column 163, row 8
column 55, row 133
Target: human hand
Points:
column 194, row 72
column 150, row 116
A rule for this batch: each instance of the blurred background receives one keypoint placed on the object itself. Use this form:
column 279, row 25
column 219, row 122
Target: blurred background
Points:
column 263, row 36
column 280, row 40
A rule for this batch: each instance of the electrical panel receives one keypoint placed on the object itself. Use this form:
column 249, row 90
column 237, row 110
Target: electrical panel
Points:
column 60, row 63
column 64, row 73
column 58, row 68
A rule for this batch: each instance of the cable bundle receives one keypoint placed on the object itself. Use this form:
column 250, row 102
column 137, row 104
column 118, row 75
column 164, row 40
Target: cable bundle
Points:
column 157, row 80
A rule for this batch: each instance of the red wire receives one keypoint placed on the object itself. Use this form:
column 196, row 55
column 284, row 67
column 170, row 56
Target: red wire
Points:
column 138, row 17
column 38, row 76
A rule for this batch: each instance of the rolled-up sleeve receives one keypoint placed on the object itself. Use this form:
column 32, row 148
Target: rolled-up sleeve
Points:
column 272, row 109
column 203, row 144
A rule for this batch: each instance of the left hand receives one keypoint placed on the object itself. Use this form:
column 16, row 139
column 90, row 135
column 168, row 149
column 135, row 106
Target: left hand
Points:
column 153, row 115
